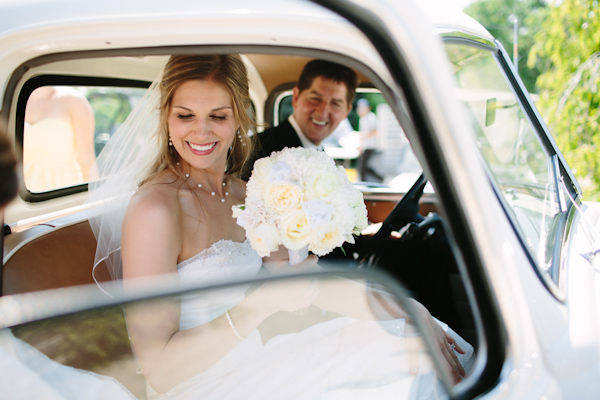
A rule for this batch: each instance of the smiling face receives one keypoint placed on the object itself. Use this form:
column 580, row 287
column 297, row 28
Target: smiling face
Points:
column 320, row 108
column 202, row 123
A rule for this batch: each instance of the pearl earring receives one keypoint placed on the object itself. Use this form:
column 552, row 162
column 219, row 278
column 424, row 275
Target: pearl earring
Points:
column 239, row 134
column 170, row 141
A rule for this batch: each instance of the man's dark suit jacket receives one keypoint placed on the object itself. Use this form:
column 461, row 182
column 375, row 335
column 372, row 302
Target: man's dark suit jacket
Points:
column 273, row 139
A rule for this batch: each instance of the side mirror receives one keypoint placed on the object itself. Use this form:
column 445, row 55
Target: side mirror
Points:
column 490, row 111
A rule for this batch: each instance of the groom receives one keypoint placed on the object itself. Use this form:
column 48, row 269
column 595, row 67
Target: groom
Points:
column 322, row 98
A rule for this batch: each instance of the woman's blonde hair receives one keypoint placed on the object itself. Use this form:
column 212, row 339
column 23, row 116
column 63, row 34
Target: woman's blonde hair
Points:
column 227, row 70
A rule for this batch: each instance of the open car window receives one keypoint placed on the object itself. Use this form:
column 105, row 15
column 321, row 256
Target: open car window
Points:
column 525, row 174
column 66, row 127
column 383, row 350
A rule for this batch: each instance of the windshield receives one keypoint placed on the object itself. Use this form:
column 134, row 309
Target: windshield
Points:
column 509, row 145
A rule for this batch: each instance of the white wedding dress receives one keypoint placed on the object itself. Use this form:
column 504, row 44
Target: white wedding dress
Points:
column 342, row 358
column 26, row 373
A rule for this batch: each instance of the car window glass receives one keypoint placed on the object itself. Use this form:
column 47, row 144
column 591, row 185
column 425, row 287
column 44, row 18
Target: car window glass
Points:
column 516, row 158
column 66, row 127
column 376, row 150
column 308, row 351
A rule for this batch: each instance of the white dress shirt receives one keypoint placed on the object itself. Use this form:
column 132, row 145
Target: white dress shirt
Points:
column 307, row 144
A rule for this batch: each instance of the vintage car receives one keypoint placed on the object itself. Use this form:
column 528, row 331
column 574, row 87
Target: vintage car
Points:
column 478, row 217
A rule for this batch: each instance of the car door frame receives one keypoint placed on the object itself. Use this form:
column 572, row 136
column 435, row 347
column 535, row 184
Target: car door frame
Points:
column 373, row 24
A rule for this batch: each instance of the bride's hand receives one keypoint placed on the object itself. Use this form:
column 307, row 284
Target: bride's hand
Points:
column 446, row 344
column 292, row 294
column 278, row 261
column 286, row 294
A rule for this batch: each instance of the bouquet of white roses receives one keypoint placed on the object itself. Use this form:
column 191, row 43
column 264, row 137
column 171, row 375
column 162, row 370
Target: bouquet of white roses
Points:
column 299, row 198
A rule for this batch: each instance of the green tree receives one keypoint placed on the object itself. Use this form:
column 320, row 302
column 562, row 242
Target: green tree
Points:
column 569, row 47
column 497, row 16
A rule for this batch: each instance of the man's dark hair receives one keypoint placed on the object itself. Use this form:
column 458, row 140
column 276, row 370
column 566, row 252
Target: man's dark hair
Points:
column 328, row 70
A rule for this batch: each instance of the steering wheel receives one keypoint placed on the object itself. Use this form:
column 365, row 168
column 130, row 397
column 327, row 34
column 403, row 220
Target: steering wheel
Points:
column 405, row 211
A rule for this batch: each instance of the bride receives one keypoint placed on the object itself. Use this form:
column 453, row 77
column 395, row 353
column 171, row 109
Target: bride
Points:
column 179, row 221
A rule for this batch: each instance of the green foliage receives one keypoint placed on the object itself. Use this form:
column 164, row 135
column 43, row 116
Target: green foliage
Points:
column 495, row 16
column 569, row 46
column 110, row 109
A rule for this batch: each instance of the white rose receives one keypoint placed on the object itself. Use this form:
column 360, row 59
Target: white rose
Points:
column 283, row 197
column 295, row 230
column 262, row 168
column 350, row 209
column 360, row 213
column 264, row 239
column 326, row 239
column 343, row 214
column 352, row 195
column 323, row 185
column 259, row 178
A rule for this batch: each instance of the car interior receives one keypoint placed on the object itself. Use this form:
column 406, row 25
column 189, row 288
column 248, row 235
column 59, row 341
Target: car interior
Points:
column 49, row 244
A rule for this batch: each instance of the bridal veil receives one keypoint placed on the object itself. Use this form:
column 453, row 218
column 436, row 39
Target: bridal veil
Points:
column 120, row 166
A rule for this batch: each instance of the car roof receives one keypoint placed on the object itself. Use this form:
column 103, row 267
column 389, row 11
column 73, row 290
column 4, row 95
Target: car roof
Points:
column 446, row 19
column 70, row 37
column 61, row 26
column 43, row 13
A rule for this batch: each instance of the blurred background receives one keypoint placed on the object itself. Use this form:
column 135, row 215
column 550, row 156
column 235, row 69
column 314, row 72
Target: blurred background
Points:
column 556, row 48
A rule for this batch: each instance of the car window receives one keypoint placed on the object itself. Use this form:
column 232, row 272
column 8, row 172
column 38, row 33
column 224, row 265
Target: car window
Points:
column 516, row 158
column 376, row 150
column 66, row 127
column 298, row 351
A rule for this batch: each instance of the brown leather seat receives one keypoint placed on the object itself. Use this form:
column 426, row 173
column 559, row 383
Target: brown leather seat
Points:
column 61, row 257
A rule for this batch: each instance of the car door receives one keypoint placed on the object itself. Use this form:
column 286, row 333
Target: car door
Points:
column 494, row 260
column 76, row 344
column 534, row 172
column 394, row 94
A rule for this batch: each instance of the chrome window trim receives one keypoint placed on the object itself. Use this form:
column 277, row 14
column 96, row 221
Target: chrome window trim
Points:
column 454, row 34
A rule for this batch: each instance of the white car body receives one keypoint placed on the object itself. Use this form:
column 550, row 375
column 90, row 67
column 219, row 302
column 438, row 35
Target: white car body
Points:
column 551, row 331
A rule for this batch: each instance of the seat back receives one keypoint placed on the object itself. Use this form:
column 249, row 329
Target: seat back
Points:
column 53, row 256
column 59, row 257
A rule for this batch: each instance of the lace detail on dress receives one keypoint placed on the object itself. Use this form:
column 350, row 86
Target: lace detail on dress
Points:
column 225, row 260
column 229, row 252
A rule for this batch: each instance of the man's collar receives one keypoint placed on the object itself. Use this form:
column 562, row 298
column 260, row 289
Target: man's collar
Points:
column 305, row 142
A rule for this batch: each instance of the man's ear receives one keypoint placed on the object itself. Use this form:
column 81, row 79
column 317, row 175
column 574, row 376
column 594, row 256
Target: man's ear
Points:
column 349, row 109
column 295, row 95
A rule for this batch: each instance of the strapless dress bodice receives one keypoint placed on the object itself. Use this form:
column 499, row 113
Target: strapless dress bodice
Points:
column 222, row 261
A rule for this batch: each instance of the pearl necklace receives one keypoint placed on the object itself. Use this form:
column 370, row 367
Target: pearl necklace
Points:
column 213, row 194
